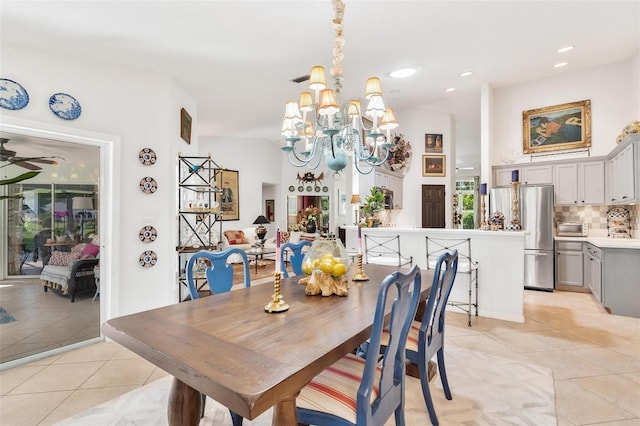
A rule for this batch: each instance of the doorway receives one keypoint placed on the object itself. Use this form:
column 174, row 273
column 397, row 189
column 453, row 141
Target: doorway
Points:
column 63, row 201
column 433, row 206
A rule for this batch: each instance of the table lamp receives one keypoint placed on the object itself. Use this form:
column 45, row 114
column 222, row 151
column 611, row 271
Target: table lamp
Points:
column 261, row 231
column 83, row 204
column 355, row 199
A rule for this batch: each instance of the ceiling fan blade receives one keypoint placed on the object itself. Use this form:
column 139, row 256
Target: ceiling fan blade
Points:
column 27, row 165
column 42, row 160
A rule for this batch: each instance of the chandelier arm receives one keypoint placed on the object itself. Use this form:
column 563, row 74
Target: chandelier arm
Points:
column 357, row 166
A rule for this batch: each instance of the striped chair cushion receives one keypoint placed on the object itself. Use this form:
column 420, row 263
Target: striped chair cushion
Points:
column 335, row 389
column 412, row 340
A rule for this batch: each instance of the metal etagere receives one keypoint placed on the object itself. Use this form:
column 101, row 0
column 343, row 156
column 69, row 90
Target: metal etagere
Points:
column 198, row 212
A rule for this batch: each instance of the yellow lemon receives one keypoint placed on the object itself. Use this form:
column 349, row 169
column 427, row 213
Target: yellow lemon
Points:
column 339, row 269
column 327, row 256
column 326, row 266
column 307, row 268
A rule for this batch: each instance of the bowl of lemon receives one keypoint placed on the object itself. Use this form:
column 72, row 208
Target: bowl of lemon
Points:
column 325, row 267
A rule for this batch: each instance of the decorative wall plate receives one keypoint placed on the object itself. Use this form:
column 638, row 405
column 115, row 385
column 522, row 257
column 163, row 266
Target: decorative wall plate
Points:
column 148, row 234
column 148, row 259
column 147, row 156
column 300, row 188
column 325, row 189
column 316, row 188
column 12, row 95
column 309, row 188
column 292, row 188
column 65, row 106
column 148, row 185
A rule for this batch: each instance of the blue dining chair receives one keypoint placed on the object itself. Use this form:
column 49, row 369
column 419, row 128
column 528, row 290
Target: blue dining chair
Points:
column 219, row 276
column 219, row 273
column 426, row 337
column 357, row 391
column 295, row 258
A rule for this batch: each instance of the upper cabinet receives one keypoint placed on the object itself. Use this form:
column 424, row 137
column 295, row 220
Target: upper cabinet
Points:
column 622, row 184
column 384, row 178
column 579, row 183
column 532, row 175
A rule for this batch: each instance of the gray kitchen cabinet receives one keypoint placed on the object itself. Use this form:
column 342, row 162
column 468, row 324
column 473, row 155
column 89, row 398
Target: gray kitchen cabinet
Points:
column 593, row 270
column 580, row 183
column 620, row 281
column 565, row 184
column 532, row 175
column 569, row 268
column 621, row 172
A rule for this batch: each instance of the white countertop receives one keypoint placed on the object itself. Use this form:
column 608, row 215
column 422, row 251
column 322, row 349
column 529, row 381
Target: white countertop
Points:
column 605, row 242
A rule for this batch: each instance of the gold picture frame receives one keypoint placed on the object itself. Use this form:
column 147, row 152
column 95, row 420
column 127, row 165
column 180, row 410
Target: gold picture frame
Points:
column 185, row 126
column 557, row 127
column 434, row 165
column 229, row 196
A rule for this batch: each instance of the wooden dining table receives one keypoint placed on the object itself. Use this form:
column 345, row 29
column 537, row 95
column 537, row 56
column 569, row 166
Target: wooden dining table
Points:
column 228, row 347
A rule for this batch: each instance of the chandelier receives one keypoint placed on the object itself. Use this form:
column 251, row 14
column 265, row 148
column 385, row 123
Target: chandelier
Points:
column 319, row 126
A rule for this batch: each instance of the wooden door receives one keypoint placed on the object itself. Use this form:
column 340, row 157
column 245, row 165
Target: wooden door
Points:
column 433, row 206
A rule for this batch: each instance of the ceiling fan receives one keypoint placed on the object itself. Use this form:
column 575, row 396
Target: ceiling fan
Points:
column 10, row 156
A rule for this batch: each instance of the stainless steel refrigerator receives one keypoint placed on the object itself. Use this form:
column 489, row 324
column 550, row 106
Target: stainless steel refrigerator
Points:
column 536, row 217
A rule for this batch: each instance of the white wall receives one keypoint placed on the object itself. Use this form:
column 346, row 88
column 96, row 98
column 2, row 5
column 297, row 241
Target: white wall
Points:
column 614, row 103
column 142, row 110
column 415, row 123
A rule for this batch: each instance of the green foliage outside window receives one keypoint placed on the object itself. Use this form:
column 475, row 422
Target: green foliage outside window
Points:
column 467, row 220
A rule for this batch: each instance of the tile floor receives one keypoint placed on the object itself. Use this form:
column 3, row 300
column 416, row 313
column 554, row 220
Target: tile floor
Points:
column 594, row 356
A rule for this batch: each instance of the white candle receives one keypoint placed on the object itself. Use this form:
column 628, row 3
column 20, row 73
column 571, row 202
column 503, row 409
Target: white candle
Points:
column 359, row 240
column 278, row 250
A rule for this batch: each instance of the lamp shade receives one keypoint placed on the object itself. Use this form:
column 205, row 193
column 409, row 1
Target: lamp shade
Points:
column 389, row 121
column 261, row 220
column 373, row 88
column 328, row 104
column 317, row 79
column 82, row 203
column 355, row 199
column 306, row 101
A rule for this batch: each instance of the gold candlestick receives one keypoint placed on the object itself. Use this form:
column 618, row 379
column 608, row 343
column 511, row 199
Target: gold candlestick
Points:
column 484, row 225
column 515, row 220
column 360, row 275
column 277, row 303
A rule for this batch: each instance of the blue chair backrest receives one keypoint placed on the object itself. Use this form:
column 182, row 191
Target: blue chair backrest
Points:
column 295, row 258
column 391, row 383
column 431, row 335
column 219, row 273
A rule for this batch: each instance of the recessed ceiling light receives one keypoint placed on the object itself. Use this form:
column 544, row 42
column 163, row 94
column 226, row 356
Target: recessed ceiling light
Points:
column 565, row 49
column 466, row 74
column 560, row 65
column 451, row 89
column 403, row 72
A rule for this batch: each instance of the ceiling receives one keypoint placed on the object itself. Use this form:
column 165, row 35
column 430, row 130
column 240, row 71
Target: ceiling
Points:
column 236, row 58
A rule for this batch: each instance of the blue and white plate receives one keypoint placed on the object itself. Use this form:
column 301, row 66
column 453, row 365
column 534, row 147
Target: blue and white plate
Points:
column 12, row 95
column 65, row 106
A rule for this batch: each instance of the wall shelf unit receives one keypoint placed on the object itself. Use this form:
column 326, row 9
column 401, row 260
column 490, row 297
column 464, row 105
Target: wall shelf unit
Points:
column 198, row 212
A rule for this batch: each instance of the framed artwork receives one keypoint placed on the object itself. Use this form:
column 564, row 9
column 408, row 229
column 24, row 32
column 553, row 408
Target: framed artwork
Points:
column 433, row 142
column 229, row 198
column 434, row 165
column 342, row 200
column 558, row 127
column 185, row 126
column 269, row 209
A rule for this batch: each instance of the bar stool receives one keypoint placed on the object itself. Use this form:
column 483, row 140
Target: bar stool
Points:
column 466, row 266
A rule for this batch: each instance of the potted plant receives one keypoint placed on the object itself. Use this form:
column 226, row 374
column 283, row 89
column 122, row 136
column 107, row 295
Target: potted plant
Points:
column 374, row 203
column 310, row 217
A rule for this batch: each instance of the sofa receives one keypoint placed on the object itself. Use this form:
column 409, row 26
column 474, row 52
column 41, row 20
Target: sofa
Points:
column 246, row 238
column 71, row 273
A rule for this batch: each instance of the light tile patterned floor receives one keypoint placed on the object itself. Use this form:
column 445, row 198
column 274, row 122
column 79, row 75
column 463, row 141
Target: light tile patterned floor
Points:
column 594, row 356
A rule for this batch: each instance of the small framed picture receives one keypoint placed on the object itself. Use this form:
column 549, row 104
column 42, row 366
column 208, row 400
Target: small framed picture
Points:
column 434, row 165
column 269, row 209
column 185, row 126
column 433, row 142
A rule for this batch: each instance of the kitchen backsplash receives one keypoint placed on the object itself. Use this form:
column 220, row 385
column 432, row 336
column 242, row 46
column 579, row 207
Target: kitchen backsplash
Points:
column 596, row 216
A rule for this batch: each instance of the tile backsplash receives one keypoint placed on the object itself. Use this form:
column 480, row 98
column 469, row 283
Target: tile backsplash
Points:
column 596, row 216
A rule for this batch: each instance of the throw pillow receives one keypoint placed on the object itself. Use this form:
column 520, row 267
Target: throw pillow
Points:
column 284, row 237
column 95, row 240
column 235, row 237
column 78, row 248
column 61, row 258
column 89, row 251
column 311, row 237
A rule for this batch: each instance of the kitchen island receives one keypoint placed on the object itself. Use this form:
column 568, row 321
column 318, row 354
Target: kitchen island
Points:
column 500, row 255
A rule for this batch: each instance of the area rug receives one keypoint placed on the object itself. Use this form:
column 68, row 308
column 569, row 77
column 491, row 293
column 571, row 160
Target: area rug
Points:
column 487, row 390
column 266, row 268
column 5, row 316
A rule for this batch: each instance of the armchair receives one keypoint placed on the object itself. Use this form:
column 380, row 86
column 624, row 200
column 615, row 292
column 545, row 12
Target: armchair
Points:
column 71, row 273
